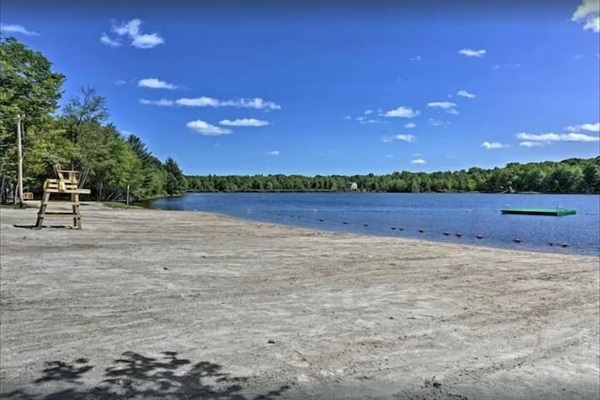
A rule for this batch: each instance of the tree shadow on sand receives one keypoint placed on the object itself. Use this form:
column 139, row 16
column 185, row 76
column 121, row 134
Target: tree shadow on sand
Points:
column 134, row 376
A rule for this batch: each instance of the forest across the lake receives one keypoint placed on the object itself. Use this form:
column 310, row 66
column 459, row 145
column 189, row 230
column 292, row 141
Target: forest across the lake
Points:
column 112, row 162
column 567, row 176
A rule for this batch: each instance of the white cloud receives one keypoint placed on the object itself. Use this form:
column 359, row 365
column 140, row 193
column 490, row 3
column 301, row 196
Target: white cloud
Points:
column 348, row 118
column 416, row 154
column 256, row 103
column 120, row 82
column 417, row 58
column 365, row 120
column 472, row 53
column 132, row 31
column 244, row 122
column 493, row 145
column 464, row 93
column 410, row 125
column 273, row 153
column 554, row 137
column 147, row 41
column 161, row 102
column 198, row 102
column 104, row 39
column 589, row 13
column 154, row 83
column 16, row 28
column 532, row 144
column 368, row 112
column 206, row 129
column 437, row 122
column 498, row 66
column 418, row 161
column 444, row 105
column 403, row 138
column 585, row 127
column 402, row 112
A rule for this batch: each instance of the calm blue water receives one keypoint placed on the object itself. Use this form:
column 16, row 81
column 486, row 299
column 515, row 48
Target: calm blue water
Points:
column 469, row 214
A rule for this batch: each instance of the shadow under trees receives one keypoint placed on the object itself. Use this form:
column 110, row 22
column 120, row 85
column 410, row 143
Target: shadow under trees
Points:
column 134, row 376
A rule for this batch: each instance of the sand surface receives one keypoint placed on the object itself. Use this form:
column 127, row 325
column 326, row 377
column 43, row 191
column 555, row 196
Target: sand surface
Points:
column 186, row 305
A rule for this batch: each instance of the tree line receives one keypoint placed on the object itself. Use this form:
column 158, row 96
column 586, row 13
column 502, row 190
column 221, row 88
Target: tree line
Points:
column 79, row 136
column 568, row 176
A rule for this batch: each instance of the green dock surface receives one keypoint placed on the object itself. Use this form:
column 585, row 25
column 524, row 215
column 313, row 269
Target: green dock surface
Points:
column 539, row 211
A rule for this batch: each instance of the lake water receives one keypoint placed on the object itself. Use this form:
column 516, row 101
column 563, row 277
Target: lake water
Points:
column 469, row 214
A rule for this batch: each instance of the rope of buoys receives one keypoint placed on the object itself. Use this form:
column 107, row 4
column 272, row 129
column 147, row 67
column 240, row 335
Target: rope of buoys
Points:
column 446, row 233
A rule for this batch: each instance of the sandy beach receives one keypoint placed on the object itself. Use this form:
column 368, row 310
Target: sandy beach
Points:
column 188, row 305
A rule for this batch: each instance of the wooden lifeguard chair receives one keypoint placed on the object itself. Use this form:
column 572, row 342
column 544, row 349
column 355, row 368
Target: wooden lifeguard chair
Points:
column 62, row 184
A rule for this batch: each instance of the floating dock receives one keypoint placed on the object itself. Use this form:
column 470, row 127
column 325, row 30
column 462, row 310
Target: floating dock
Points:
column 556, row 212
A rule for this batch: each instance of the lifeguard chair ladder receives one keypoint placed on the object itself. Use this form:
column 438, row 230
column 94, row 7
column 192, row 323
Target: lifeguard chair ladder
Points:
column 62, row 184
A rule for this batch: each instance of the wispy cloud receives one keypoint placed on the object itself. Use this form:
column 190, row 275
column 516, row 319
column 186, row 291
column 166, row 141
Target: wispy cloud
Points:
column 367, row 112
column 444, row 105
column 437, row 122
column 402, row 138
column 120, row 82
column 16, row 28
column 447, row 106
column 244, row 122
column 584, row 127
column 410, row 125
column 347, row 118
column 104, row 39
column 417, row 58
column 418, row 161
column 472, row 53
column 532, row 144
column 498, row 66
column 154, row 83
column 401, row 112
column 131, row 31
column 365, row 120
column 256, row 103
column 464, row 93
column 588, row 13
column 556, row 137
column 493, row 145
column 160, row 103
column 206, row 129
column 274, row 153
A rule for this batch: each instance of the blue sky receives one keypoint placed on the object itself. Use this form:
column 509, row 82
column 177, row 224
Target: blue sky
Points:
column 332, row 88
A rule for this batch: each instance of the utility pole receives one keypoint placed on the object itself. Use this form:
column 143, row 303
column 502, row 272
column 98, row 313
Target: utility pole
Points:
column 20, row 167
